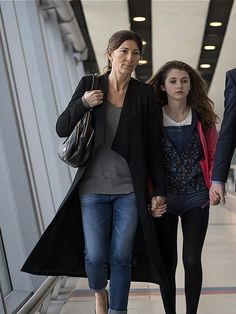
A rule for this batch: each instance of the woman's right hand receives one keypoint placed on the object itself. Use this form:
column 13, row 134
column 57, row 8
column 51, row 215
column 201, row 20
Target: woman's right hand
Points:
column 158, row 206
column 93, row 98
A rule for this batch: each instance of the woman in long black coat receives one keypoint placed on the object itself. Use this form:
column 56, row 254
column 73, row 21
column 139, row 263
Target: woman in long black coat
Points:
column 71, row 237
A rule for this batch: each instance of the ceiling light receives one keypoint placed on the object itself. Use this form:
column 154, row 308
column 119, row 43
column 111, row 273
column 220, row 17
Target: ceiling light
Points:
column 139, row 18
column 216, row 24
column 205, row 65
column 144, row 42
column 209, row 47
column 142, row 61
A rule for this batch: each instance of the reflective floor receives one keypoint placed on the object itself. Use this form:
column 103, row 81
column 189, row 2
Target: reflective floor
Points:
column 219, row 283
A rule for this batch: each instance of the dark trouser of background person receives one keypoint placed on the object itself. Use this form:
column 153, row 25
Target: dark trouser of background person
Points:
column 109, row 223
column 194, row 225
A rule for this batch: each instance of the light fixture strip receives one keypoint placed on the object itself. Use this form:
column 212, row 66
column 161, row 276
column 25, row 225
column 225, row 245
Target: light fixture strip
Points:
column 216, row 24
column 139, row 18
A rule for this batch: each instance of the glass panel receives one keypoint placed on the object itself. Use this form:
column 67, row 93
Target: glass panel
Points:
column 5, row 280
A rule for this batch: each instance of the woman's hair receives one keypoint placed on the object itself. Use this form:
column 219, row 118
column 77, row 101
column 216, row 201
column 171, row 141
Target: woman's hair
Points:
column 117, row 39
column 197, row 97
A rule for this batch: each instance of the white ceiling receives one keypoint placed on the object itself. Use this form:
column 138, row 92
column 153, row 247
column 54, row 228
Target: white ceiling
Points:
column 177, row 33
column 227, row 61
column 103, row 19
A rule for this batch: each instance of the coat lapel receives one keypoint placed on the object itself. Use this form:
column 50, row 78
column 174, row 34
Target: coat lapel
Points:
column 99, row 113
column 121, row 141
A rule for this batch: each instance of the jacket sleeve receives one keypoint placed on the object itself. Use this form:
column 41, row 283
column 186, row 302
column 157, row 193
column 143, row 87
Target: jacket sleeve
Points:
column 227, row 137
column 74, row 111
column 154, row 149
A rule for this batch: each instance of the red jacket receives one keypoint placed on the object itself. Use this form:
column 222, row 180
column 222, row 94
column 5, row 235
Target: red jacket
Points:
column 209, row 140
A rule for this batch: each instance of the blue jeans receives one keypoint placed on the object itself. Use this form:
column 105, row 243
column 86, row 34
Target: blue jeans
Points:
column 109, row 223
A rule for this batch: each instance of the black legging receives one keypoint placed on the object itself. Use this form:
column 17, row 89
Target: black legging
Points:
column 194, row 226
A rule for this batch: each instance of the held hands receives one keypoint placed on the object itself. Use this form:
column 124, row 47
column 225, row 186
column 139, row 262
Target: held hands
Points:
column 93, row 98
column 217, row 193
column 158, row 206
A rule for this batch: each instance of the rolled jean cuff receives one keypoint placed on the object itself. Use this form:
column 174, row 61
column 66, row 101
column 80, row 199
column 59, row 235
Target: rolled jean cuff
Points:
column 98, row 290
column 117, row 312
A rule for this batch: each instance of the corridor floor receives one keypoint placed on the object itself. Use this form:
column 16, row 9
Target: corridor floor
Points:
column 219, row 283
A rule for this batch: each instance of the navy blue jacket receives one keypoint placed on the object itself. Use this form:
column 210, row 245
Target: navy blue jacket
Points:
column 227, row 138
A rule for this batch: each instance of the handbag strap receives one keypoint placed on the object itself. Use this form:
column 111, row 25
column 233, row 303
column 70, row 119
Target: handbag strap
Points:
column 94, row 84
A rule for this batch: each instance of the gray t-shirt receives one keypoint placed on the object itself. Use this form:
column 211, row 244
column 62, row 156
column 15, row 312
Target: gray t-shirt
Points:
column 107, row 171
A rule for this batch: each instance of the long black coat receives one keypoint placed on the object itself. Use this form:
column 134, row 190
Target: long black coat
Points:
column 60, row 250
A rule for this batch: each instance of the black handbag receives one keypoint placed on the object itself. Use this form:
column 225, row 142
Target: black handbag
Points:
column 76, row 149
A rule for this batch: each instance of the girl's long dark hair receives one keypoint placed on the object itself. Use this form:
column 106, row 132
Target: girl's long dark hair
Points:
column 197, row 97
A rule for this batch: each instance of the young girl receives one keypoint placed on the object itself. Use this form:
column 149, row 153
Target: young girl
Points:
column 189, row 140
